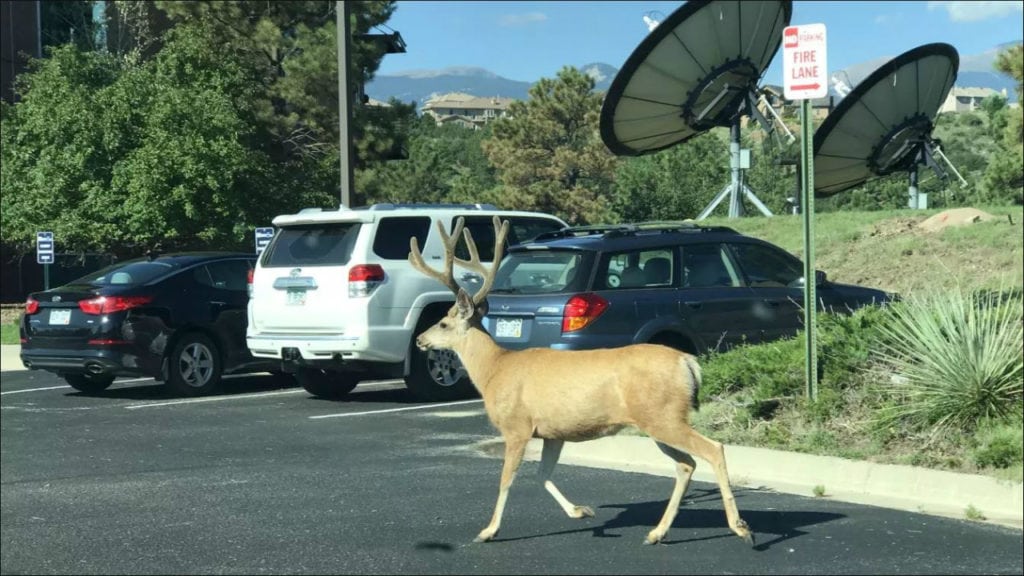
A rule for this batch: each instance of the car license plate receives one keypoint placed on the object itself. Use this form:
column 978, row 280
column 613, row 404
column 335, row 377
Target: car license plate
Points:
column 296, row 297
column 60, row 317
column 509, row 328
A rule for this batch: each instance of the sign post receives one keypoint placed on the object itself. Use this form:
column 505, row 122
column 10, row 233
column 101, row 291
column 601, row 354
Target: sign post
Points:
column 805, row 71
column 263, row 237
column 44, row 255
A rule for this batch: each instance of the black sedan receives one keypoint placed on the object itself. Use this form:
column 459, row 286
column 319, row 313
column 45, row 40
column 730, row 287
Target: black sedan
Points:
column 179, row 318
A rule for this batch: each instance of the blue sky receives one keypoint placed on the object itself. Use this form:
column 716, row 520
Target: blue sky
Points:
column 530, row 40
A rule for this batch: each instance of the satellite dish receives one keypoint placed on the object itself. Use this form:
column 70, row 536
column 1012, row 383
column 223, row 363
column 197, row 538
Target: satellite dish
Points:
column 885, row 123
column 697, row 70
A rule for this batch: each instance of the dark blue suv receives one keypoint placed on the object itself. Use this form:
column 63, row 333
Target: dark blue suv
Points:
column 691, row 287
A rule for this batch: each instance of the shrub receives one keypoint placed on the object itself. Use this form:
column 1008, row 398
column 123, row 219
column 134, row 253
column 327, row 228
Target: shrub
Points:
column 959, row 359
column 1000, row 446
column 766, row 370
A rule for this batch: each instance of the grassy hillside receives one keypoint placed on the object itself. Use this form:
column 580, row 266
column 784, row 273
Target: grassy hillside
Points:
column 888, row 250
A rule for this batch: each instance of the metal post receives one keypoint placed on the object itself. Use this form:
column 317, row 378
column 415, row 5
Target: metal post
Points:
column 913, row 200
column 344, row 102
column 807, row 207
column 735, row 201
column 46, row 276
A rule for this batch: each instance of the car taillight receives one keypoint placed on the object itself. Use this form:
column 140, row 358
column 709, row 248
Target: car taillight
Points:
column 31, row 306
column 108, row 304
column 248, row 282
column 581, row 310
column 363, row 279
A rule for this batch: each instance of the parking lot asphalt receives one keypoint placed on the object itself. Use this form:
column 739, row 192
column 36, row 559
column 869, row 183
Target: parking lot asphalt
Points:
column 900, row 487
column 264, row 479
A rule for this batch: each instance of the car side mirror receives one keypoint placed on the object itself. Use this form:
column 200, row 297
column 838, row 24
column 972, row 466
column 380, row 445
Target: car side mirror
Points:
column 820, row 278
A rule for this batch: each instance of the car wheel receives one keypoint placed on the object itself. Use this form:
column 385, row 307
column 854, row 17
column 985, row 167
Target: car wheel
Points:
column 438, row 375
column 89, row 382
column 194, row 365
column 329, row 384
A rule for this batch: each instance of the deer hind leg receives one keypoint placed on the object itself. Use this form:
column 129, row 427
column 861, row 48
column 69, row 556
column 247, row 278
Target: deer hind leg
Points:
column 548, row 459
column 514, row 449
column 681, row 436
column 684, row 470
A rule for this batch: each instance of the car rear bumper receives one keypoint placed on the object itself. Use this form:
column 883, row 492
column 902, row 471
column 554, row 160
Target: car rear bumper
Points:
column 386, row 346
column 98, row 362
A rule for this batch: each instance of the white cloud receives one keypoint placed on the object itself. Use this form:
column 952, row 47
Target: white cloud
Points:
column 522, row 19
column 974, row 11
column 887, row 19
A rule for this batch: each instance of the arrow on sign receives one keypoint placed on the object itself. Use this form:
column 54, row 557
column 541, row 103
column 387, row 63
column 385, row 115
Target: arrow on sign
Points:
column 814, row 86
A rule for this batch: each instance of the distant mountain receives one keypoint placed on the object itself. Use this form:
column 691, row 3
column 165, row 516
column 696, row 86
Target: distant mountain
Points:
column 976, row 71
column 419, row 85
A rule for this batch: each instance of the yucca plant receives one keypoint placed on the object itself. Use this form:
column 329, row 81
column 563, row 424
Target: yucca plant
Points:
column 957, row 360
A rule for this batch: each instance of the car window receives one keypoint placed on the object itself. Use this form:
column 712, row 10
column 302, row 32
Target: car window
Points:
column 708, row 266
column 636, row 269
column 543, row 272
column 521, row 229
column 767, row 266
column 328, row 244
column 226, row 275
column 131, row 272
column 392, row 239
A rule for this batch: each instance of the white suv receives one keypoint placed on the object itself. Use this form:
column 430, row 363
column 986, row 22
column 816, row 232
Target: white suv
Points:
column 334, row 298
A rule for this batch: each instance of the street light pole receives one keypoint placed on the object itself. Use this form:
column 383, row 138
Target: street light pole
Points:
column 344, row 102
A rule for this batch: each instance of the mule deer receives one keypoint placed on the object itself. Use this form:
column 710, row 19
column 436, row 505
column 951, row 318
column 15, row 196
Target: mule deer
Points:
column 578, row 395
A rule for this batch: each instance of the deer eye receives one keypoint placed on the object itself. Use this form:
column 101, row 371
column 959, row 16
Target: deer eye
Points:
column 444, row 324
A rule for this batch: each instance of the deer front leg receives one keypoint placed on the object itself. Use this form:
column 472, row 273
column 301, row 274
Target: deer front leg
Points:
column 514, row 449
column 548, row 459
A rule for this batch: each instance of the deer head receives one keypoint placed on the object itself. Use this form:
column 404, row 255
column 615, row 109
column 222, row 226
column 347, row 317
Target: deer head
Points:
column 467, row 311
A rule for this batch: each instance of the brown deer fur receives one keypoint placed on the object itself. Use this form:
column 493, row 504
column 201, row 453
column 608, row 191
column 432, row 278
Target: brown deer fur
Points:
column 561, row 395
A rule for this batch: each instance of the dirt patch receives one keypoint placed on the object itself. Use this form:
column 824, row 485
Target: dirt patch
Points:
column 11, row 314
column 955, row 217
column 895, row 227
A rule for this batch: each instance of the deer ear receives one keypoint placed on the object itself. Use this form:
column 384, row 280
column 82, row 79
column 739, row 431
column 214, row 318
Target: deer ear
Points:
column 465, row 303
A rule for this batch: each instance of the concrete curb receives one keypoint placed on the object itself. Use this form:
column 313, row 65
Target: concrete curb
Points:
column 10, row 357
column 923, row 490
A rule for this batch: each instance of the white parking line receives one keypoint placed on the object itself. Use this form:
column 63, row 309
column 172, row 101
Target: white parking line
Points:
column 67, row 386
column 244, row 396
column 428, row 406
column 213, row 399
column 33, row 390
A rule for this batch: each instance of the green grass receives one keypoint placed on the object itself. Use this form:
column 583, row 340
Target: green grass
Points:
column 9, row 334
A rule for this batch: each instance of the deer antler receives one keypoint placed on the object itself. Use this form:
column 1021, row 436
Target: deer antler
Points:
column 474, row 263
column 447, row 277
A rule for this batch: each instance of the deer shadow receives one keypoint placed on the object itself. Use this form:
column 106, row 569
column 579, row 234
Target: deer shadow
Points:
column 781, row 525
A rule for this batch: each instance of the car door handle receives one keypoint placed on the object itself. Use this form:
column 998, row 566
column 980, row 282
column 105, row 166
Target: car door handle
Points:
column 470, row 277
column 694, row 304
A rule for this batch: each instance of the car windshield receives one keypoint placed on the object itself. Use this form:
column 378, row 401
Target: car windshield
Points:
column 543, row 272
column 129, row 273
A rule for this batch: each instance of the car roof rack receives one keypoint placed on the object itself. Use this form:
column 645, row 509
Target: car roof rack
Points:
column 617, row 230
column 426, row 206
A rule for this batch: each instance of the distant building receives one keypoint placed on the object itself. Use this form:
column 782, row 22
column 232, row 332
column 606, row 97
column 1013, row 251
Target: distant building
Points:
column 22, row 39
column 967, row 99
column 466, row 110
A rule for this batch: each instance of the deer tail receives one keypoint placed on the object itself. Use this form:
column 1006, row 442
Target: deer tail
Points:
column 695, row 381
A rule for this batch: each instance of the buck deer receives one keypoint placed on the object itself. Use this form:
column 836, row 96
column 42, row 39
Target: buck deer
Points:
column 577, row 395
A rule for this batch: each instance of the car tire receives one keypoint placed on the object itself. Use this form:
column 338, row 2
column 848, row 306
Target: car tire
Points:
column 88, row 382
column 194, row 366
column 329, row 384
column 436, row 375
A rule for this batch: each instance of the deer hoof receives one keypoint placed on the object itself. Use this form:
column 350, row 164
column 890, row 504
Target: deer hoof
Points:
column 743, row 531
column 653, row 538
column 483, row 537
column 582, row 512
